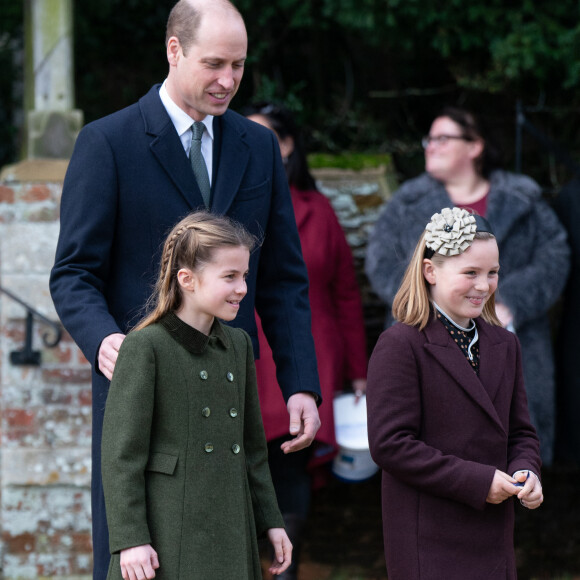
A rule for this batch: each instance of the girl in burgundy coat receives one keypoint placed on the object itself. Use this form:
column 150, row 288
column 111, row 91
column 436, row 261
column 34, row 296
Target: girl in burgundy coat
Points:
column 447, row 413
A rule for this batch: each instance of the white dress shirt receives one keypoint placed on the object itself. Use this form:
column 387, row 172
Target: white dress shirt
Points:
column 183, row 122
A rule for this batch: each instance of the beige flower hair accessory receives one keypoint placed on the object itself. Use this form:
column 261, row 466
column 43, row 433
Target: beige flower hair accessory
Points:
column 450, row 232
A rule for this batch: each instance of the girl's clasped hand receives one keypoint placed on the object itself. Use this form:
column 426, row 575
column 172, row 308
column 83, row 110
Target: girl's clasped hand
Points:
column 504, row 486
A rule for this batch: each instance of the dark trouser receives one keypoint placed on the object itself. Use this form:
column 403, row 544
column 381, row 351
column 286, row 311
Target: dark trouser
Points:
column 101, row 554
column 290, row 477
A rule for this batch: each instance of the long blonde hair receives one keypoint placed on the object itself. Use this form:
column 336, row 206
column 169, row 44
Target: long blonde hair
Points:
column 191, row 244
column 412, row 303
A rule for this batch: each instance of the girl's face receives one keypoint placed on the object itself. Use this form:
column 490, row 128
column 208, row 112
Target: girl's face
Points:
column 461, row 285
column 216, row 290
column 447, row 159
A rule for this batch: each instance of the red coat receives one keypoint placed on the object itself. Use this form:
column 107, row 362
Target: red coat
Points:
column 337, row 320
column 439, row 432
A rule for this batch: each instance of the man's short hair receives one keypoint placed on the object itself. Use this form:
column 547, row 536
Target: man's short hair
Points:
column 185, row 18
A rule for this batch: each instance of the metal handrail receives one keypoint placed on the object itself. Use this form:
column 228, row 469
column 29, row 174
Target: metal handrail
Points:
column 27, row 356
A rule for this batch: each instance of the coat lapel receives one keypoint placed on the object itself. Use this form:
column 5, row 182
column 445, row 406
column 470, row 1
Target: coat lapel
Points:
column 492, row 360
column 447, row 354
column 166, row 146
column 233, row 154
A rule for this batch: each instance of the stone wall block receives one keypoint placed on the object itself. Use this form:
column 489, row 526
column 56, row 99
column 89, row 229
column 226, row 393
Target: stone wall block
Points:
column 6, row 194
column 58, row 416
column 7, row 214
column 46, row 532
column 53, row 134
column 31, row 288
column 30, row 202
column 67, row 375
column 36, row 192
column 356, row 197
column 47, row 467
column 53, row 427
column 28, row 248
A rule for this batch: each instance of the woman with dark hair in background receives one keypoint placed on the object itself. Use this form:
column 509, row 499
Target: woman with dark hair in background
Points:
column 462, row 169
column 337, row 327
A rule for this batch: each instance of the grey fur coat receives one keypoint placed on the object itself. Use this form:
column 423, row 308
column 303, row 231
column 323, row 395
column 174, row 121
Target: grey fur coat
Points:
column 534, row 260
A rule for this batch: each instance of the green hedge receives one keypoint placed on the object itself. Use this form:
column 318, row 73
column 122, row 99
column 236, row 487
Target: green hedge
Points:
column 354, row 161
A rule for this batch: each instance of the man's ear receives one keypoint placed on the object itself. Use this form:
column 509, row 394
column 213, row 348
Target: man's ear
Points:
column 186, row 279
column 173, row 50
column 429, row 271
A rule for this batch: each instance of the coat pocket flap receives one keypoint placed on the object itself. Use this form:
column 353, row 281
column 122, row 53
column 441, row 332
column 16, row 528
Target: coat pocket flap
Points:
column 162, row 463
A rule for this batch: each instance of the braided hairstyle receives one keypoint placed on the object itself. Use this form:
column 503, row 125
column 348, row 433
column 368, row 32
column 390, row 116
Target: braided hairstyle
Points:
column 191, row 244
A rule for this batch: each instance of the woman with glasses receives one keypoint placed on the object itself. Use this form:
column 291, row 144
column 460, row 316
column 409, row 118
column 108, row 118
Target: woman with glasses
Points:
column 337, row 327
column 462, row 168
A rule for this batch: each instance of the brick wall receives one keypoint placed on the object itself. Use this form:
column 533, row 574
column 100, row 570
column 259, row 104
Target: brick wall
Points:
column 45, row 411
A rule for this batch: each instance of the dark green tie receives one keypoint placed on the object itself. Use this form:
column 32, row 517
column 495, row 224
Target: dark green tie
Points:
column 198, row 162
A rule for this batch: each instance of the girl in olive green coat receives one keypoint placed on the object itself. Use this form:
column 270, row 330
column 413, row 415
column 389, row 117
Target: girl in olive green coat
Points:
column 184, row 461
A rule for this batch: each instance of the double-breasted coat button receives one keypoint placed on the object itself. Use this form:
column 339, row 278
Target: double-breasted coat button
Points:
column 235, row 448
column 208, row 447
column 203, row 375
column 205, row 411
column 230, row 377
column 233, row 412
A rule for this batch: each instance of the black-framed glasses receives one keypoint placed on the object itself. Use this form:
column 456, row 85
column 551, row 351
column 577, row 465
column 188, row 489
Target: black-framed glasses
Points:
column 441, row 139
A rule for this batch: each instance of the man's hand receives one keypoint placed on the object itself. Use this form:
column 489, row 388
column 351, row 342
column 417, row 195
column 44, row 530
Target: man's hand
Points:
column 108, row 353
column 139, row 563
column 359, row 386
column 304, row 421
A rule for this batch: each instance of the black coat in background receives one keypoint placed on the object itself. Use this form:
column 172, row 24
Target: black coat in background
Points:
column 567, row 206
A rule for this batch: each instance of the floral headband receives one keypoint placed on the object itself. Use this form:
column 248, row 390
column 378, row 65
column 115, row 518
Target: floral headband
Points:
column 452, row 231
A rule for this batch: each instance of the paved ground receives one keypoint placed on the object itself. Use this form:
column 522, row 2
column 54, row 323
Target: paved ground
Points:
column 344, row 537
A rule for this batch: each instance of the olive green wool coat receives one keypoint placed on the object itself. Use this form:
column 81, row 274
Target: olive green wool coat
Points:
column 184, row 457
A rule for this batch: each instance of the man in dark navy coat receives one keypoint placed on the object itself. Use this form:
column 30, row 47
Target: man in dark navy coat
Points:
column 130, row 180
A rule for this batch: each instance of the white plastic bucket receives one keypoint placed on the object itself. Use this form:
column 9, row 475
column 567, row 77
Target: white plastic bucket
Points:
column 353, row 461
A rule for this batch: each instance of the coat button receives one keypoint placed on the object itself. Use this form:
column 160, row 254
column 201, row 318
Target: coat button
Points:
column 203, row 375
column 208, row 447
column 233, row 412
column 205, row 412
column 235, row 448
column 230, row 377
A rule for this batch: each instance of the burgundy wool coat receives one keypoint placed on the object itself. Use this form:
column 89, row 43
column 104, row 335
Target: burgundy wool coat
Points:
column 439, row 431
column 337, row 319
